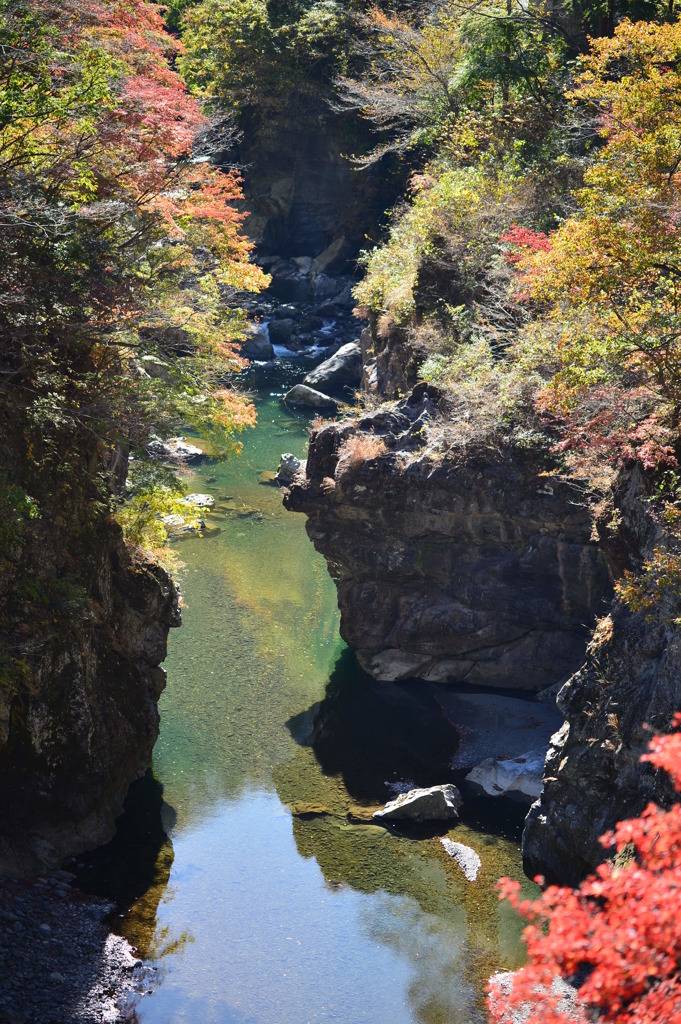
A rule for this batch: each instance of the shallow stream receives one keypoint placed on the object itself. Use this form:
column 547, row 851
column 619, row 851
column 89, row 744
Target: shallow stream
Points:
column 265, row 904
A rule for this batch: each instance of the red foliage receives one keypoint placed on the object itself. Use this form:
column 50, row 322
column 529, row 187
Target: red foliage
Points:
column 525, row 241
column 617, row 937
column 612, row 425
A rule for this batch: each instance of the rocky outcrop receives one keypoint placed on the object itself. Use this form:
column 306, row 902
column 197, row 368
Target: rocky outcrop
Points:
column 81, row 726
column 453, row 561
column 629, row 688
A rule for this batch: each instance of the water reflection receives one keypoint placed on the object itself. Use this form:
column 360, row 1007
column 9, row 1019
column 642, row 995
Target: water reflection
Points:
column 134, row 869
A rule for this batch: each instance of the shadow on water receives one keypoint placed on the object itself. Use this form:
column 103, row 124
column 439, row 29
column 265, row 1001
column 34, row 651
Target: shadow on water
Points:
column 133, row 870
column 376, row 735
column 381, row 738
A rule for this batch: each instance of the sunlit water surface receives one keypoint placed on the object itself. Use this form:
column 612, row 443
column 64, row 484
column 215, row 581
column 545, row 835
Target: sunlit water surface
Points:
column 265, row 905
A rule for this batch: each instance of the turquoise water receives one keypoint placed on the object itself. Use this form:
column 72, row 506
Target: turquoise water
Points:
column 275, row 900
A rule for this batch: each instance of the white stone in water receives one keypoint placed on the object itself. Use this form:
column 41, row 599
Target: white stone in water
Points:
column 289, row 466
column 199, row 500
column 520, row 778
column 439, row 803
column 466, row 857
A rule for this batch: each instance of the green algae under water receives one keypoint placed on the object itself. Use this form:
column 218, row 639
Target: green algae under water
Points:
column 266, row 904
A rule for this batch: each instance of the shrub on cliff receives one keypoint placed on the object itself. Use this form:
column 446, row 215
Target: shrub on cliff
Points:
column 617, row 938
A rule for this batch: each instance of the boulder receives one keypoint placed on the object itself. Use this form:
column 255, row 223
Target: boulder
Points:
column 465, row 856
column 257, row 344
column 286, row 312
column 333, row 258
column 288, row 467
column 439, row 803
column 175, row 450
column 344, row 369
column 308, row 398
column 519, row 778
column 178, row 526
column 281, row 330
column 199, row 500
column 302, row 264
column 325, row 287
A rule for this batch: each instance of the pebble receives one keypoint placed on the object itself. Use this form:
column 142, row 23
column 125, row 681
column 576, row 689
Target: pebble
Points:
column 59, row 961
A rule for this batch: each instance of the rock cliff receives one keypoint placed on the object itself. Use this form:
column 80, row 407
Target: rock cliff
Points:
column 82, row 726
column 83, row 630
column 629, row 687
column 455, row 562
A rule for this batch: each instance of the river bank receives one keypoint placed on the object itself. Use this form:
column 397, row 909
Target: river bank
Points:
column 59, row 959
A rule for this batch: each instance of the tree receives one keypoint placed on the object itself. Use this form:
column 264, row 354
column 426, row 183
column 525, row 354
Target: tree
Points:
column 262, row 55
column 112, row 234
column 611, row 281
column 617, row 938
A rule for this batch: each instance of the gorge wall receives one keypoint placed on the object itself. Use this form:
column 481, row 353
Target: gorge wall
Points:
column 454, row 562
column 465, row 558
column 83, row 629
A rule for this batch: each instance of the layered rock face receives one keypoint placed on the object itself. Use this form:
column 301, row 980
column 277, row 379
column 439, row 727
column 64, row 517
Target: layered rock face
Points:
column 302, row 193
column 454, row 562
column 82, row 728
column 628, row 689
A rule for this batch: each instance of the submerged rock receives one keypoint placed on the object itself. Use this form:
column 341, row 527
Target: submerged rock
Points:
column 439, row 803
column 178, row 526
column 465, row 856
column 200, row 500
column 501, row 986
column 520, row 778
column 174, row 449
column 308, row 398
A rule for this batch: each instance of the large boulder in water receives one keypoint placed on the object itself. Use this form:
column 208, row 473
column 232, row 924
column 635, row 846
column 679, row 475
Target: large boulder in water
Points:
column 308, row 398
column 257, row 344
column 289, row 466
column 439, row 803
column 281, row 331
column 344, row 369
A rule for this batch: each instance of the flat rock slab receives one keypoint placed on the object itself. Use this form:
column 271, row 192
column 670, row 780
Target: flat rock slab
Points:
column 492, row 725
column 520, row 778
column 465, row 857
column 439, row 803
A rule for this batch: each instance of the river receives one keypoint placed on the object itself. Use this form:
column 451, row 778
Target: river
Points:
column 265, row 904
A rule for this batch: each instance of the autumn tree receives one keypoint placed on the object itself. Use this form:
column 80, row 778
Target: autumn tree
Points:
column 118, row 243
column 617, row 938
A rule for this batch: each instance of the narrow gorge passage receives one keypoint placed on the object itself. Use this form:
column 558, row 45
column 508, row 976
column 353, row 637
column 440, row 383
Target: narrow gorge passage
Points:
column 266, row 904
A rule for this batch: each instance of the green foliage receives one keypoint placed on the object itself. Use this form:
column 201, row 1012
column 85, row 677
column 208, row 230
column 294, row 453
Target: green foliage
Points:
column 250, row 53
column 16, row 509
